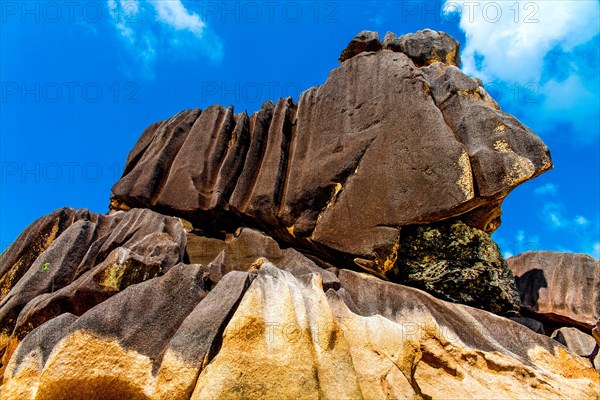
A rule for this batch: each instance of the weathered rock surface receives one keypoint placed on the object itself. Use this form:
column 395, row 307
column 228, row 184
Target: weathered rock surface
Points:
column 425, row 47
column 368, row 339
column 579, row 343
column 84, row 264
column 457, row 263
column 34, row 240
column 363, row 42
column 559, row 288
column 397, row 165
column 399, row 136
column 575, row 340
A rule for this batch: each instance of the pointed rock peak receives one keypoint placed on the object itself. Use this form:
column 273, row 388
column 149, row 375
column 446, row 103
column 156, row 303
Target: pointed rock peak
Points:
column 364, row 41
column 268, row 104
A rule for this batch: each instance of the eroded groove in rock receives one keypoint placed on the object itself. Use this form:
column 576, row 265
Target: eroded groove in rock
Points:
column 16, row 260
column 268, row 188
column 261, row 121
column 198, row 339
column 143, row 143
column 91, row 260
column 142, row 185
column 232, row 165
column 52, row 270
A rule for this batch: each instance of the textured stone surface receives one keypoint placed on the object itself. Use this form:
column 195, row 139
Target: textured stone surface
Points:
column 397, row 165
column 89, row 258
column 394, row 144
column 364, row 41
column 559, row 287
column 244, row 339
column 34, row 240
column 379, row 340
column 575, row 340
column 241, row 252
column 500, row 148
column 579, row 343
column 425, row 47
column 457, row 263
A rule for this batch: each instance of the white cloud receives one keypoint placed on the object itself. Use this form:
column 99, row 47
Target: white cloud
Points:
column 547, row 189
column 173, row 13
column 581, row 232
column 514, row 37
column 520, row 236
column 159, row 28
column 546, row 49
column 595, row 250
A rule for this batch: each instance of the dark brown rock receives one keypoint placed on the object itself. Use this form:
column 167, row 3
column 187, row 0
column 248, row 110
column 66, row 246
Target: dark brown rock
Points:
column 561, row 288
column 150, row 161
column 500, row 148
column 531, row 323
column 32, row 242
column 364, row 41
column 133, row 315
column 92, row 259
column 382, row 145
column 339, row 174
column 52, row 270
column 122, row 268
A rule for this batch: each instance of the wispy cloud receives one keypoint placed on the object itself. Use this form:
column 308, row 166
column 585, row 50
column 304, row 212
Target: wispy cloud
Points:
column 522, row 242
column 547, row 49
column 546, row 189
column 596, row 250
column 583, row 233
column 568, row 231
column 174, row 14
column 155, row 29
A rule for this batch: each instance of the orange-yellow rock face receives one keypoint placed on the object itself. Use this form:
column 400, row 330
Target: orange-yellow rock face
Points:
column 288, row 339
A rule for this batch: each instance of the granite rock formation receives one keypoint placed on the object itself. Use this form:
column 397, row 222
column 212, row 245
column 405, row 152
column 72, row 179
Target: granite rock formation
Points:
column 244, row 339
column 272, row 255
column 579, row 343
column 395, row 143
column 561, row 288
column 81, row 259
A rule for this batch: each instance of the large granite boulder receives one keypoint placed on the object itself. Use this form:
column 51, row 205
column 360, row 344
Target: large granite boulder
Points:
column 559, row 288
column 396, row 136
column 276, row 334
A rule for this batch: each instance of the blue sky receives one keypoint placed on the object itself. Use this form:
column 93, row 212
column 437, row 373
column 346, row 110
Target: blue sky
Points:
column 81, row 80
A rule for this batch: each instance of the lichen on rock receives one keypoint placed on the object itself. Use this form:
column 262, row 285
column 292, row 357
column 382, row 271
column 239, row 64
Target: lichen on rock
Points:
column 457, row 263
